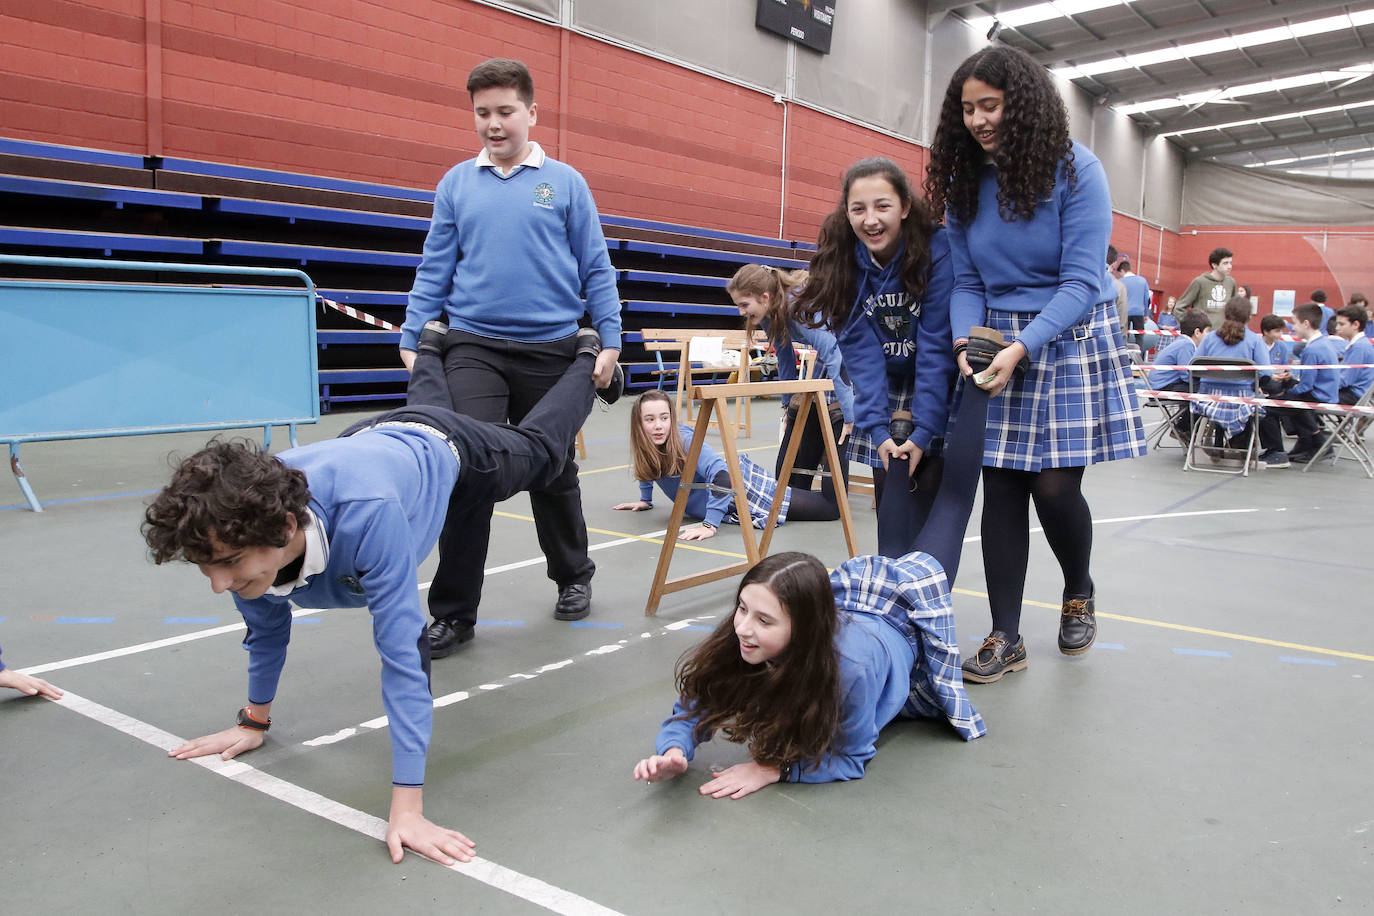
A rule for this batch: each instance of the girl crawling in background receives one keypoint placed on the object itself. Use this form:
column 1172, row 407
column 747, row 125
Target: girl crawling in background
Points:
column 659, row 446
column 811, row 666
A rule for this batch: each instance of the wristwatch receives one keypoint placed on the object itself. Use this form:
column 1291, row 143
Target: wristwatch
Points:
column 246, row 720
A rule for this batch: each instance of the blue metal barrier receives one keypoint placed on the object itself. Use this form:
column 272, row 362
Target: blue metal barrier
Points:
column 86, row 359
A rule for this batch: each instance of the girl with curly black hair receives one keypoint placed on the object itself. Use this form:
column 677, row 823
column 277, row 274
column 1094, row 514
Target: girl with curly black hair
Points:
column 880, row 281
column 1029, row 216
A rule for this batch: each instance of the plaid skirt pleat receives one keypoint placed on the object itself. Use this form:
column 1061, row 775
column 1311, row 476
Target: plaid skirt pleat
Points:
column 1234, row 418
column 759, row 488
column 1075, row 406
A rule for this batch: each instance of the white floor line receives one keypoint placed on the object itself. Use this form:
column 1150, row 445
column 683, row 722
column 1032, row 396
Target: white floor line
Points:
column 1144, row 518
column 459, row 696
column 299, row 612
column 503, row 879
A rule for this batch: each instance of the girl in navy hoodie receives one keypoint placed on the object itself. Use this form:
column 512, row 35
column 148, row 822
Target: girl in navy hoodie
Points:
column 880, row 281
column 1029, row 215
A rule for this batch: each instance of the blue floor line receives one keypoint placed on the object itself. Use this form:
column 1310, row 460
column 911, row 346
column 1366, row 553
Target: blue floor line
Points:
column 596, row 625
column 84, row 620
column 1295, row 660
column 1114, row 646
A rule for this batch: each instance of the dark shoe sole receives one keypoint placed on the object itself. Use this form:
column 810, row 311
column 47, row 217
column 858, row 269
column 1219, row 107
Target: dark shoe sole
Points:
column 571, row 615
column 993, row 678
column 1080, row 650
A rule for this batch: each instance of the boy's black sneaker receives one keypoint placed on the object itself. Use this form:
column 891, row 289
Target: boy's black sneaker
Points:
column 614, row 389
column 588, row 341
column 432, row 338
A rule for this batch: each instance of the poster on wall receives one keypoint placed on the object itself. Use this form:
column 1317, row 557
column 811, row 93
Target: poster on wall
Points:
column 1283, row 302
column 807, row 22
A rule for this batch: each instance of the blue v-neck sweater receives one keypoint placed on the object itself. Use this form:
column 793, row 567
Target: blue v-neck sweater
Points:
column 1053, row 265
column 513, row 257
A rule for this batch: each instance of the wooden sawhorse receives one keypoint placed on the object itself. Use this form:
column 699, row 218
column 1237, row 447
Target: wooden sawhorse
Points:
column 713, row 398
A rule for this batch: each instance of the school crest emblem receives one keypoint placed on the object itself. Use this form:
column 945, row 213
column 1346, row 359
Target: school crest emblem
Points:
column 543, row 195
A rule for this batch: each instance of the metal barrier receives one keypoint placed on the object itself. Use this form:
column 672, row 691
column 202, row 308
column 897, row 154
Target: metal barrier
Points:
column 90, row 359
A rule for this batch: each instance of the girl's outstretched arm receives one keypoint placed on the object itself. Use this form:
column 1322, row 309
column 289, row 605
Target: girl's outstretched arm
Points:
column 638, row 505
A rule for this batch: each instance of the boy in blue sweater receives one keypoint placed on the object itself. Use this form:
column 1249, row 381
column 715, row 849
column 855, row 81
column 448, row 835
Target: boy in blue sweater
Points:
column 514, row 247
column 1195, row 326
column 344, row 523
column 1359, row 351
column 1319, row 386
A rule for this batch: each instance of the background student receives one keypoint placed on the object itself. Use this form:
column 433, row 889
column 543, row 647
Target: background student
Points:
column 880, row 280
column 514, row 247
column 763, row 295
column 1321, row 386
column 1351, row 322
column 1029, row 214
column 1233, row 340
column 1180, row 352
column 658, row 446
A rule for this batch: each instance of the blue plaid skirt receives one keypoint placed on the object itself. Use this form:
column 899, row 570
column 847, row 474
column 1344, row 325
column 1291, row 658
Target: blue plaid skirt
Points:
column 1234, row 418
column 759, row 489
column 1075, row 406
column 860, row 448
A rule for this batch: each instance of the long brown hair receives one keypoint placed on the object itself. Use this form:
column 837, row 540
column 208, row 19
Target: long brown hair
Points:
column 652, row 462
column 758, row 280
column 788, row 708
column 828, row 296
column 1234, row 318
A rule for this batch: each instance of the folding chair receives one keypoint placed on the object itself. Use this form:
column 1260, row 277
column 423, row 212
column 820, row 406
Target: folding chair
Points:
column 1345, row 431
column 1211, row 417
column 1169, row 410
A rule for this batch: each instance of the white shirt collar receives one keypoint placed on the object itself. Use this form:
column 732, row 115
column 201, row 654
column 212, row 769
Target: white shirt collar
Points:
column 535, row 159
column 316, row 557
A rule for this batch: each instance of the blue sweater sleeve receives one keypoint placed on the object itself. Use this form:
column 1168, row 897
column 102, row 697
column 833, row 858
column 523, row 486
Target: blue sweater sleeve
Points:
column 935, row 365
column 594, row 264
column 828, row 354
column 434, row 276
column 269, row 631
column 646, row 491
column 710, row 464
column 968, row 304
column 858, row 736
column 1085, row 228
column 866, row 366
column 388, row 575
column 679, row 733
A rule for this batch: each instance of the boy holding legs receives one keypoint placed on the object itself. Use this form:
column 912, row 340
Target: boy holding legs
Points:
column 514, row 247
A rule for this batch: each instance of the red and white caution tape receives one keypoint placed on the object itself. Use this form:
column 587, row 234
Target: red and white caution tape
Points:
column 1259, row 402
column 1151, row 367
column 351, row 312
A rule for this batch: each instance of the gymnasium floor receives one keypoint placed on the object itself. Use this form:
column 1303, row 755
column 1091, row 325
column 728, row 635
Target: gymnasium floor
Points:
column 1211, row 754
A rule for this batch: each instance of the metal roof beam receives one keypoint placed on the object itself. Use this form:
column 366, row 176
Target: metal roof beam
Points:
column 1241, row 110
column 1207, row 28
column 1199, row 83
column 1292, row 141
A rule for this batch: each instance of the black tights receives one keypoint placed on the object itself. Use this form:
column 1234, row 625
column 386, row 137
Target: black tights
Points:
column 1068, row 525
column 804, row 505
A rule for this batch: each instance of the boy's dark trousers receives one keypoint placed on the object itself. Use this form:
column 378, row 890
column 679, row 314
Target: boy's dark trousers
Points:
column 1301, row 422
column 498, row 460
column 498, row 381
